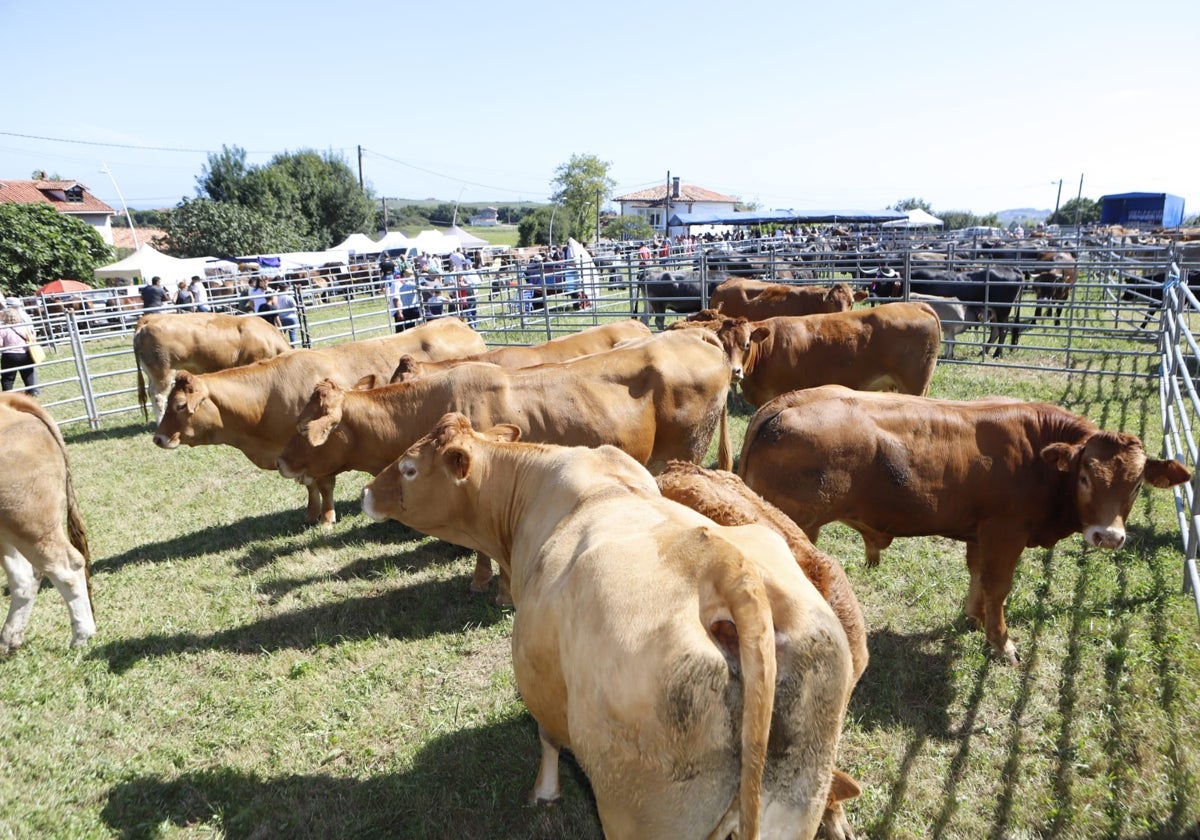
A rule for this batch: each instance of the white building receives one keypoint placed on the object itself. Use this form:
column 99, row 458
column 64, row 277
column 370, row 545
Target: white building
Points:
column 69, row 197
column 657, row 204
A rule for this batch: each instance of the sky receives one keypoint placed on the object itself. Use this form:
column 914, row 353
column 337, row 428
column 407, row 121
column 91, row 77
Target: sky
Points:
column 969, row 106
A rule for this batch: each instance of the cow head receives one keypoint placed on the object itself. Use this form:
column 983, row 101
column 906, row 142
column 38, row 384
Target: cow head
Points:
column 1107, row 470
column 841, row 298
column 189, row 413
column 738, row 337
column 407, row 370
column 305, row 455
column 428, row 487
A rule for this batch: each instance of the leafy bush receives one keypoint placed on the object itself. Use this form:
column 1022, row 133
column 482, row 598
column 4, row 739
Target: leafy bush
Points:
column 38, row 244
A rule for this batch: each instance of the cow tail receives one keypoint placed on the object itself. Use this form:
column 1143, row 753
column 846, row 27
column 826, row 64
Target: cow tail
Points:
column 137, row 363
column 739, row 585
column 76, row 532
column 724, row 447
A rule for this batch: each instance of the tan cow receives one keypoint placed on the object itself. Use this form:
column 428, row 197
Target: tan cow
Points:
column 658, row 399
column 199, row 342
column 254, row 407
column 662, row 649
column 889, row 347
column 998, row 474
column 583, row 343
column 756, row 300
column 36, row 496
column 725, row 499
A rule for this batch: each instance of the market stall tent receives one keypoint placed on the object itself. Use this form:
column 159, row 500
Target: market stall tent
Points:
column 145, row 263
column 916, row 218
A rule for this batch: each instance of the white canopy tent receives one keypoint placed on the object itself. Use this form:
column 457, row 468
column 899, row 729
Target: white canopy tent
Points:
column 145, row 263
column 916, row 218
column 435, row 242
column 392, row 239
column 467, row 240
column 358, row 243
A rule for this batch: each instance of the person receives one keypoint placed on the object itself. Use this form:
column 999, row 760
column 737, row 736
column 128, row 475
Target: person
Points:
column 458, row 260
column 16, row 334
column 258, row 293
column 644, row 255
column 199, row 294
column 468, row 303
column 285, row 307
column 387, row 267
column 154, row 296
column 183, row 297
column 435, row 304
column 403, row 301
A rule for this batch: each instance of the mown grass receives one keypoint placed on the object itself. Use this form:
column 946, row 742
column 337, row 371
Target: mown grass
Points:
column 255, row 678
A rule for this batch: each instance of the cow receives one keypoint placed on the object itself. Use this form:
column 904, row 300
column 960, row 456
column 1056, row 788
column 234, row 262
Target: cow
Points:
column 757, row 300
column 658, row 399
column 953, row 315
column 893, row 346
column 1052, row 285
column 585, row 342
column 990, row 294
column 1152, row 290
column 678, row 291
column 254, row 407
column 199, row 342
column 35, row 498
column 696, row 674
column 725, row 499
column 998, row 474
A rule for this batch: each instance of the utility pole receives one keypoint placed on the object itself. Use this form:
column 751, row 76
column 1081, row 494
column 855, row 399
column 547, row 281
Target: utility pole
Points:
column 1079, row 202
column 667, row 208
column 360, row 173
column 1057, row 200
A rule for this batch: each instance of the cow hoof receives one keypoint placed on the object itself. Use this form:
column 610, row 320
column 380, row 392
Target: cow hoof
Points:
column 80, row 640
column 503, row 599
column 479, row 587
column 540, row 802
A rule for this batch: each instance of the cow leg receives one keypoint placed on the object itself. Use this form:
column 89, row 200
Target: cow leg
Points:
column 999, row 553
column 67, row 572
column 483, row 573
column 546, row 789
column 320, row 502
column 158, row 397
column 22, row 587
column 874, row 542
column 974, row 607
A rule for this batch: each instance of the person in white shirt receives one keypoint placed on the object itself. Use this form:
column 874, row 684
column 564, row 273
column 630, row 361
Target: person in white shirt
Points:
column 199, row 294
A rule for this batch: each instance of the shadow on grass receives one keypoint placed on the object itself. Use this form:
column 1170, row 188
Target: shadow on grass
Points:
column 905, row 684
column 250, row 535
column 127, row 430
column 468, row 784
column 419, row 611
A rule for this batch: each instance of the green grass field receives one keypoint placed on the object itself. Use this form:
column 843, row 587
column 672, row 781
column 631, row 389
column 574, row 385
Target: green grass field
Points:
column 255, row 678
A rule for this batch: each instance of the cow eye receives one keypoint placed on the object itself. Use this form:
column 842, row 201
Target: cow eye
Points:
column 408, row 471
column 1084, row 481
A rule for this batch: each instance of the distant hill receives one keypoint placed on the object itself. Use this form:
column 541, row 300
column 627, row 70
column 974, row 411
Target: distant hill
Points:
column 1020, row 214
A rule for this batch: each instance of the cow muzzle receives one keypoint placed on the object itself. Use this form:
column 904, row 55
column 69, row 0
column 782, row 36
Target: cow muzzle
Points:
column 1112, row 537
column 166, row 442
column 368, row 506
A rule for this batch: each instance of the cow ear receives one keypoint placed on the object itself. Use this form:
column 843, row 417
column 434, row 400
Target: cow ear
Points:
column 366, row 383
column 408, row 369
column 759, row 334
column 1060, row 456
column 1165, row 473
column 860, row 295
column 193, row 387
column 327, row 416
column 844, row 787
column 458, row 461
column 504, row 433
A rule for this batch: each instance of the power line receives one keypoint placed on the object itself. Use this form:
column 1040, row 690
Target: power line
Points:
column 126, row 145
column 448, row 177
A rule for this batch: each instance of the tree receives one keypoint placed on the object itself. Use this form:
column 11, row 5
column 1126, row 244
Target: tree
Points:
column 624, row 228
column 582, row 185
column 38, row 244
column 205, row 228
column 913, row 204
column 1085, row 210
column 317, row 194
column 534, row 229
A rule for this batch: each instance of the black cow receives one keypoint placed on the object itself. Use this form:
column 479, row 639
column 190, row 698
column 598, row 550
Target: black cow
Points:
column 678, row 291
column 1152, row 290
column 990, row 294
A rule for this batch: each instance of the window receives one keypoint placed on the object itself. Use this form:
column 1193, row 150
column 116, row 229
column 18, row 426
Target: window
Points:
column 75, row 193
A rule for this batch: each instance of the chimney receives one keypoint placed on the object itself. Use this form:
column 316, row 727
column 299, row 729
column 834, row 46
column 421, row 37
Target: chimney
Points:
column 674, row 188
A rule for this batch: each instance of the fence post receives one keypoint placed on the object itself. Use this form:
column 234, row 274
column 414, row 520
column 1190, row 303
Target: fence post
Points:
column 81, row 369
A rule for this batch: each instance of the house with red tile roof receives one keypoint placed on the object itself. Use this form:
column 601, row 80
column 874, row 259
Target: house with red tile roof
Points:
column 69, row 197
column 657, row 204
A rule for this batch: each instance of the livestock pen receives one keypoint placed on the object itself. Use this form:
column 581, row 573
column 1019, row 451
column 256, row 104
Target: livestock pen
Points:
column 254, row 678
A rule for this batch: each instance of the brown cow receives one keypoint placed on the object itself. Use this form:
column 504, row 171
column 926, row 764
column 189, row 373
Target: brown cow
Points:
column 692, row 669
column 35, row 497
column 199, row 342
column 254, row 407
column 585, row 342
column 725, row 499
column 756, row 300
column 889, row 347
column 658, row 399
column 1053, row 285
column 998, row 474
